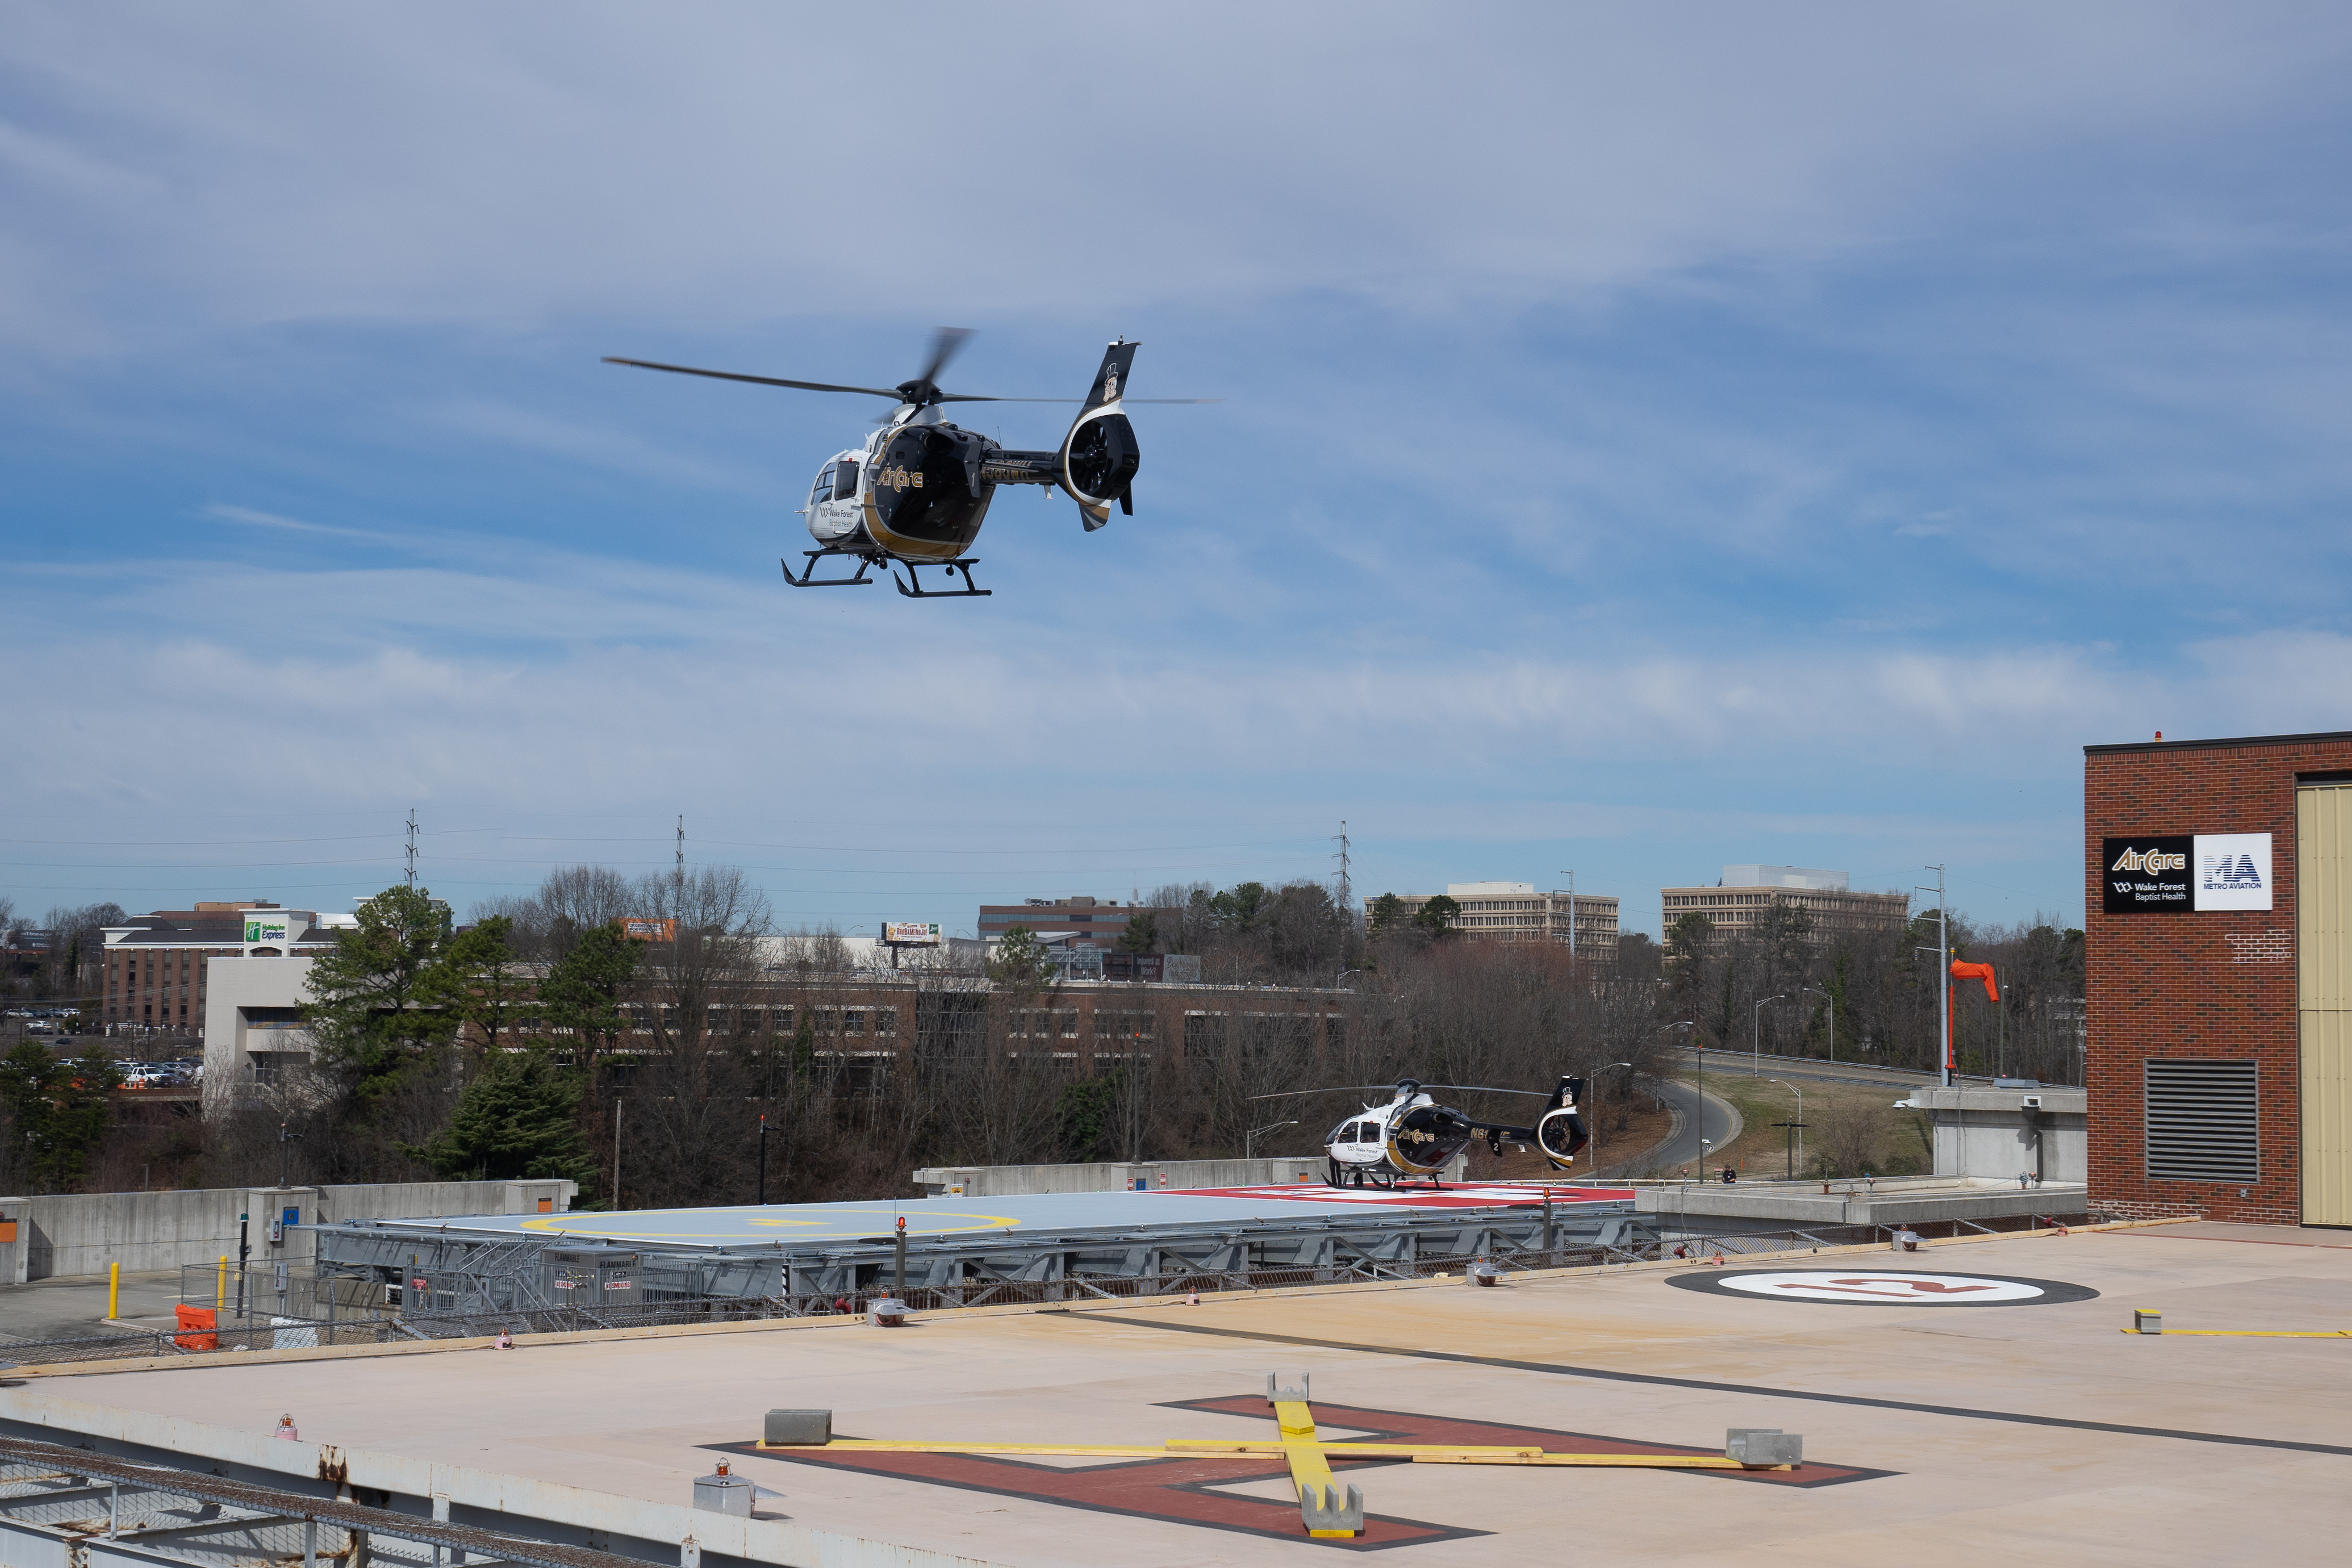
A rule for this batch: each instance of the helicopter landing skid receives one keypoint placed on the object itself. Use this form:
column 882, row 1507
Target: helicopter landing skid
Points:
column 911, row 585
column 808, row 577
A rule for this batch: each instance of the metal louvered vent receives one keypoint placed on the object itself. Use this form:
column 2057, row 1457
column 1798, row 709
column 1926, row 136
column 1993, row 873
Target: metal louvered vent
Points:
column 2202, row 1123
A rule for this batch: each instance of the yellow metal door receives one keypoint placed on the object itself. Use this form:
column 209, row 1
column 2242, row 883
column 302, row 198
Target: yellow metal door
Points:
column 2323, row 926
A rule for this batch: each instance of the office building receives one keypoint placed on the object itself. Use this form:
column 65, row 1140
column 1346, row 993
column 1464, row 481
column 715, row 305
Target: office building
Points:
column 154, row 964
column 1833, row 911
column 1516, row 912
column 1080, row 922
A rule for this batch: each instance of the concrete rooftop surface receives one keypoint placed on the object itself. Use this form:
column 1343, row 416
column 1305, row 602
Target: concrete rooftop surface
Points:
column 1967, row 1423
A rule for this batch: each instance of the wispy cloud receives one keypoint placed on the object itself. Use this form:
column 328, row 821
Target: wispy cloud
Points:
column 253, row 519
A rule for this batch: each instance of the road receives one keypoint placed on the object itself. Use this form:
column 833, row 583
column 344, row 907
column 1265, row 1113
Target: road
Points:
column 1813, row 1070
column 1719, row 1123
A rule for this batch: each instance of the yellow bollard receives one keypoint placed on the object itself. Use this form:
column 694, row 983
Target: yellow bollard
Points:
column 113, row 1287
column 220, row 1283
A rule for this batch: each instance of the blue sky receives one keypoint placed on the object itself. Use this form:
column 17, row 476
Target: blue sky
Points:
column 1652, row 438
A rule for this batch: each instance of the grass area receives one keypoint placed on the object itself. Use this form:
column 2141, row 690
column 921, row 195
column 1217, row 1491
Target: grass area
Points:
column 1854, row 1124
column 1634, row 1122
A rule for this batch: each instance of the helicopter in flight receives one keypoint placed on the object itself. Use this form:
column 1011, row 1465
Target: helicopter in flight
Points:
column 1414, row 1137
column 917, row 491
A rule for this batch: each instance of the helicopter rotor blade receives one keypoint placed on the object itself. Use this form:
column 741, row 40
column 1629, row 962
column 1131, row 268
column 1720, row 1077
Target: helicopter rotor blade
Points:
column 970, row 397
column 889, row 392
column 1490, row 1089
column 1333, row 1089
column 945, row 344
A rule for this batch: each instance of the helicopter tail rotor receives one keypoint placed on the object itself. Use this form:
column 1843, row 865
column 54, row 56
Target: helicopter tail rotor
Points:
column 1099, row 456
column 1560, row 1133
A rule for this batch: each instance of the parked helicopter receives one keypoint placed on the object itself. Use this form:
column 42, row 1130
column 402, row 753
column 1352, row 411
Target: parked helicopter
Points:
column 1413, row 1136
column 917, row 491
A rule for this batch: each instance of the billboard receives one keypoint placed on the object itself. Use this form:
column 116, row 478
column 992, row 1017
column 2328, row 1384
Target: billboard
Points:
column 909, row 933
column 640, row 930
column 265, row 928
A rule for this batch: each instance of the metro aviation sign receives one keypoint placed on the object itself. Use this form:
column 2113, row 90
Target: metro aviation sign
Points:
column 2184, row 872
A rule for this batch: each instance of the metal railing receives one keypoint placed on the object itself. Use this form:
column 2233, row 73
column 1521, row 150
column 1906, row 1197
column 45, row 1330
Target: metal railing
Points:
column 289, row 1334
column 145, row 1511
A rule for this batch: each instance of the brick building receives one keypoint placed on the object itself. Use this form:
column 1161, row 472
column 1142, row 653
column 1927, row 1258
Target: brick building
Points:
column 153, row 974
column 1081, row 921
column 2219, row 978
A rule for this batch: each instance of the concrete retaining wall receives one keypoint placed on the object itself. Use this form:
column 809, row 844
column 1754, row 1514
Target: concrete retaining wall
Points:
column 1984, row 1133
column 80, row 1233
column 1121, row 1175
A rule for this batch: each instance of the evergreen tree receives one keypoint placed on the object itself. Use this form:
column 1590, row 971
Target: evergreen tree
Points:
column 479, row 981
column 381, row 1000
column 58, row 1111
column 1142, row 934
column 519, row 1118
column 1021, row 960
column 583, row 990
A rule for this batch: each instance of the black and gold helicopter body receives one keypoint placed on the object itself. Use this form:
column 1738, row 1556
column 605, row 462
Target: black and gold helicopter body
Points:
column 1413, row 1137
column 917, row 491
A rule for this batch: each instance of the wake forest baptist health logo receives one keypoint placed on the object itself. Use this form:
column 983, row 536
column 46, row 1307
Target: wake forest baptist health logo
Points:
column 2185, row 871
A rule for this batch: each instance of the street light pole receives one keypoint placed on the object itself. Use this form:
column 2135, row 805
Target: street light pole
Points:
column 763, row 1156
column 1943, row 972
column 1756, row 1036
column 1823, row 992
column 1698, row 1057
column 1596, row 1109
column 1249, row 1139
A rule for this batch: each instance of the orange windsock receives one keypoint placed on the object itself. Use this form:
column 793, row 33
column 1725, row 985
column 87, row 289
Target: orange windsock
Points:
column 1977, row 972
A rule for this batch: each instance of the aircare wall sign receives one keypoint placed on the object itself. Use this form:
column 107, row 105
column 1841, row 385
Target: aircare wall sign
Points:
column 2181, row 873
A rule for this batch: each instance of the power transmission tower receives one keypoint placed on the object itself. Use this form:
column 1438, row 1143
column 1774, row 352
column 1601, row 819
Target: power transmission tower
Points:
column 1347, row 888
column 412, row 849
column 679, row 875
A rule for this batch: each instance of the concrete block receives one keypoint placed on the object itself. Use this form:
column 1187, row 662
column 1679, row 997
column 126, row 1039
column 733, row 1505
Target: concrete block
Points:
column 1763, row 1446
column 1328, row 1513
column 799, row 1429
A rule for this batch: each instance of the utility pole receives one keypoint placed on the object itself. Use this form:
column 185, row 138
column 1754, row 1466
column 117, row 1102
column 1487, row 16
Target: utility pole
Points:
column 412, row 849
column 763, row 1156
column 1571, row 921
column 1943, row 973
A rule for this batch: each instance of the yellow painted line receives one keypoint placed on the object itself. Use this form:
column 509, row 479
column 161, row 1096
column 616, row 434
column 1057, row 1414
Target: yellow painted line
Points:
column 2253, row 1333
column 1341, row 1450
column 1608, row 1461
column 1080, row 1450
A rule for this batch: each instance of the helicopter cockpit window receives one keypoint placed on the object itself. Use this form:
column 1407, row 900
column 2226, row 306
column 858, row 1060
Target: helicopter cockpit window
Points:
column 822, row 489
column 845, row 481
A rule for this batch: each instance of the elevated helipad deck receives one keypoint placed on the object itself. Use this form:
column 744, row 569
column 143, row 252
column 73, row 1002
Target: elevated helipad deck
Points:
column 1066, row 1214
column 831, row 1250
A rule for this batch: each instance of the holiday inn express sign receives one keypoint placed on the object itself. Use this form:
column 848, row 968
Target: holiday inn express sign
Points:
column 2182, row 872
